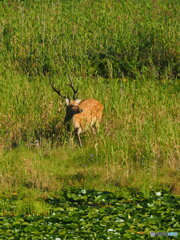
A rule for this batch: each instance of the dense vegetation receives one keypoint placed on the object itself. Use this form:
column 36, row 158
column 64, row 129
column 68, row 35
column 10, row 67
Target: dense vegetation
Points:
column 123, row 53
column 90, row 38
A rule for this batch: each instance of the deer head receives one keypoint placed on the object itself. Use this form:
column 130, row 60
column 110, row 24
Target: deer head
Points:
column 72, row 105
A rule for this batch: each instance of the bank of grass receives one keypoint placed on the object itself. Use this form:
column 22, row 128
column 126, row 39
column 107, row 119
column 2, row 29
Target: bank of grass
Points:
column 137, row 144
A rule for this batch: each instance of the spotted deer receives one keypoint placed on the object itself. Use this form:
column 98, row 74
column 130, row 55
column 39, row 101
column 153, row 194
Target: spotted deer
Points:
column 84, row 114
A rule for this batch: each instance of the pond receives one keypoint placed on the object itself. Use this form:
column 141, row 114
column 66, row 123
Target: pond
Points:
column 89, row 214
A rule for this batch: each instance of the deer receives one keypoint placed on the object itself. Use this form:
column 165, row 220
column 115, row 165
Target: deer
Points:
column 84, row 114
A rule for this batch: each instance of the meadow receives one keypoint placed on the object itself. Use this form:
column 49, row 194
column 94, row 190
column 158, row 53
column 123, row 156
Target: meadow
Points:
column 124, row 54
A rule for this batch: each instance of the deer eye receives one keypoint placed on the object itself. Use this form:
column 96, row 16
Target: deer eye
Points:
column 74, row 108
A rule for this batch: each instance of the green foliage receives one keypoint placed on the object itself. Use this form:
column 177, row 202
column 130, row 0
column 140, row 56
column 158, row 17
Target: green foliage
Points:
column 89, row 214
column 92, row 38
column 124, row 54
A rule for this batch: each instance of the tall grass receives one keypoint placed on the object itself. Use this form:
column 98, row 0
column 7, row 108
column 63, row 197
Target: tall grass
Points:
column 123, row 53
column 90, row 38
column 137, row 144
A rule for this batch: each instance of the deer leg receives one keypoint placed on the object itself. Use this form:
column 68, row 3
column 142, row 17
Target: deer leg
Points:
column 77, row 132
column 96, row 126
column 93, row 130
column 80, row 144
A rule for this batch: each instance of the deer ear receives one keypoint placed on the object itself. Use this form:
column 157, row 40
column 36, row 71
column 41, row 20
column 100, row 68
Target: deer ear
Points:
column 78, row 101
column 67, row 101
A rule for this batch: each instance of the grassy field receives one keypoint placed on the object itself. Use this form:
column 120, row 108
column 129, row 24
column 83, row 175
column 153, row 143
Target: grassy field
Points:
column 124, row 54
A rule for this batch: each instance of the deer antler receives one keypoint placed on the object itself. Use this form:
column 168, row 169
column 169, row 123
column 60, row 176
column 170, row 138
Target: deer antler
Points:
column 57, row 91
column 72, row 87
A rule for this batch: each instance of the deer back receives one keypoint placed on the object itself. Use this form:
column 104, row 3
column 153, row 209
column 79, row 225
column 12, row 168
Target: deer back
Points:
column 91, row 113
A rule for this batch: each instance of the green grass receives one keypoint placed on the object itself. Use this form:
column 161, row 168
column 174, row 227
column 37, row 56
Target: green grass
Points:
column 136, row 146
column 124, row 54
column 99, row 38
